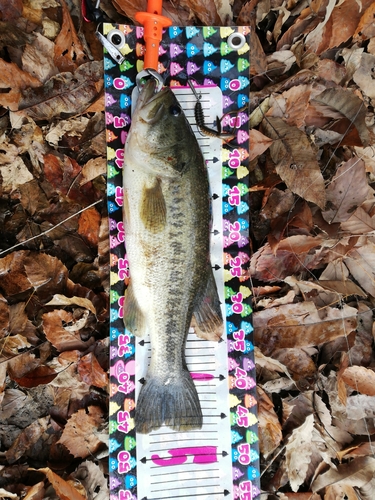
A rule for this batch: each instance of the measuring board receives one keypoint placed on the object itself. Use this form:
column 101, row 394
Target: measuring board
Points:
column 220, row 459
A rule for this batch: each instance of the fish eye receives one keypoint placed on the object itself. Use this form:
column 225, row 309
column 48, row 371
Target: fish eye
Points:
column 175, row 110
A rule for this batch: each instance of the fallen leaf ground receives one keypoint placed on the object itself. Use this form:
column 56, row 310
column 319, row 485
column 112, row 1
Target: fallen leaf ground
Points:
column 313, row 247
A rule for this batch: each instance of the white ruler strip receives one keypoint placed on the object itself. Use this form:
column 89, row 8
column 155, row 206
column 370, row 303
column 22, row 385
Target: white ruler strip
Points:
column 195, row 464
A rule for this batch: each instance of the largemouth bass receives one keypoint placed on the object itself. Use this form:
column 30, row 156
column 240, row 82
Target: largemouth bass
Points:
column 167, row 234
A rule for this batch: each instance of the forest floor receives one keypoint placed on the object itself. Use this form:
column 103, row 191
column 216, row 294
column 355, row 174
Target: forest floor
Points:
column 312, row 268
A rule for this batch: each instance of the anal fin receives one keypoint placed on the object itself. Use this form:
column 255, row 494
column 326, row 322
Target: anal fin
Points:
column 207, row 313
column 133, row 317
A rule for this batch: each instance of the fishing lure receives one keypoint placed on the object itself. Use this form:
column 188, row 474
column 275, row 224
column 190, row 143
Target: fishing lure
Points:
column 200, row 121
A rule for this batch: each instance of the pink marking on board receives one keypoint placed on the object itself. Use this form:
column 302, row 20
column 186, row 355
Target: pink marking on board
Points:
column 117, row 369
column 109, row 118
column 191, row 68
column 242, row 136
column 207, row 82
column 130, row 367
column 201, row 376
column 139, row 31
column 113, row 242
column 201, row 454
column 175, row 68
column 109, row 99
column 232, row 364
column 114, row 483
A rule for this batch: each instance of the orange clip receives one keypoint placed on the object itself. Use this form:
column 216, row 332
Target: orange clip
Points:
column 153, row 23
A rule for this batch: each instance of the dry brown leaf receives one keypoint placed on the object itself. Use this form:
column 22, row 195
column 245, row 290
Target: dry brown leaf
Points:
column 8, row 494
column 47, row 274
column 336, row 270
column 11, row 10
column 347, row 191
column 297, row 361
column 323, row 287
column 270, row 302
column 366, row 27
column 351, row 12
column 92, row 169
column 92, row 478
column 69, row 51
column 91, row 372
column 12, row 345
column 309, row 22
column 280, row 62
column 4, row 316
column 301, row 325
column 359, row 223
column 329, row 431
column 292, row 105
column 258, row 61
column 288, row 257
column 298, row 452
column 270, row 363
column 258, row 143
column 40, row 375
column 337, row 491
column 362, row 450
column 68, row 384
column 88, row 226
column 356, row 473
column 64, row 489
column 61, row 300
column 14, row 175
column 12, row 77
column 361, row 263
column 65, row 93
column 296, row 409
column 350, row 106
column 269, row 427
column 295, row 160
column 37, row 58
column 26, row 439
column 278, row 202
column 14, row 400
column 363, row 75
column 79, row 434
column 360, row 379
column 206, row 12
column 343, row 287
column 36, row 492
column 63, row 338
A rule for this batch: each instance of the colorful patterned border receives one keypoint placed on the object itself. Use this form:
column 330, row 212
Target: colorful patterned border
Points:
column 203, row 55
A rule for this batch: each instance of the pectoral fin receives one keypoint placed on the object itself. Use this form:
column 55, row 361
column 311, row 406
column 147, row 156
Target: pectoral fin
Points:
column 153, row 210
column 133, row 317
column 207, row 313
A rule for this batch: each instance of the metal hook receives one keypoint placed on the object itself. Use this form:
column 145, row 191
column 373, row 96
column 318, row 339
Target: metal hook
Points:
column 146, row 73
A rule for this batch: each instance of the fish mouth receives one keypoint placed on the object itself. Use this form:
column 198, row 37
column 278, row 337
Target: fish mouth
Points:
column 149, row 108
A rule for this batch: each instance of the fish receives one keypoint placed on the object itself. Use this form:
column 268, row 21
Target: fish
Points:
column 167, row 223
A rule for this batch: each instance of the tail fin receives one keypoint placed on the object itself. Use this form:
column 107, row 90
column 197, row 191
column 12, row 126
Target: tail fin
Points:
column 173, row 402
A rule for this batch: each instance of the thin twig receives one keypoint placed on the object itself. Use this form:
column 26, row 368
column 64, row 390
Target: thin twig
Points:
column 3, row 252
